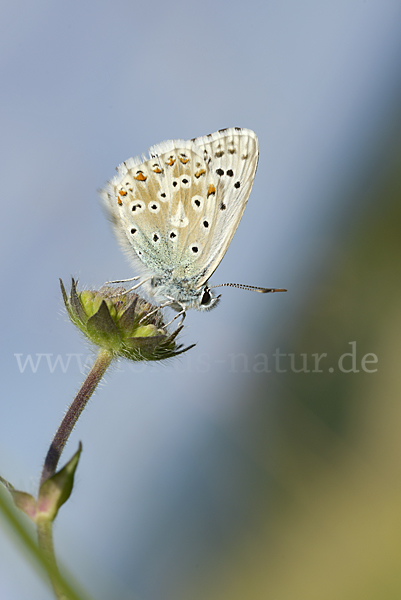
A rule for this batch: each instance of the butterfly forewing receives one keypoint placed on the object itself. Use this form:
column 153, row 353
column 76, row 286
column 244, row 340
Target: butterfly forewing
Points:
column 233, row 158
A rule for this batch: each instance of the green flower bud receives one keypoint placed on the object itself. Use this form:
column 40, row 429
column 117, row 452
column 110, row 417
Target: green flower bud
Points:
column 122, row 323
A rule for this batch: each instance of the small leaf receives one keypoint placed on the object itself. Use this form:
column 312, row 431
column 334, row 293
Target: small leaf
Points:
column 6, row 484
column 57, row 489
column 22, row 500
column 25, row 502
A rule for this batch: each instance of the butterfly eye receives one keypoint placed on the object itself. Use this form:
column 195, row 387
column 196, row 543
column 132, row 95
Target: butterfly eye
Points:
column 206, row 297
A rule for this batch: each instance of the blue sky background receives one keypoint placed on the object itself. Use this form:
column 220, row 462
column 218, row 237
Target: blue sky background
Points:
column 85, row 86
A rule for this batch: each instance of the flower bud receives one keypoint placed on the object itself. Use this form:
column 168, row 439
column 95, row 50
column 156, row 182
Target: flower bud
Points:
column 122, row 323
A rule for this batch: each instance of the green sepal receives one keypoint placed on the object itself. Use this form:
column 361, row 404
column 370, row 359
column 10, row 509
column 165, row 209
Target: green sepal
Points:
column 57, row 489
column 102, row 328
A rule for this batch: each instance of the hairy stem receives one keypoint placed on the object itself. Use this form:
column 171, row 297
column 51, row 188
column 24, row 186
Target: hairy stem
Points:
column 97, row 371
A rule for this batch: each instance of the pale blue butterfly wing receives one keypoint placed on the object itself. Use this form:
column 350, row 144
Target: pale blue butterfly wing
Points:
column 177, row 212
column 233, row 158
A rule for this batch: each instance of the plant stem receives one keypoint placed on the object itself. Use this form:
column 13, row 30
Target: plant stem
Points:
column 97, row 371
column 23, row 535
column 45, row 539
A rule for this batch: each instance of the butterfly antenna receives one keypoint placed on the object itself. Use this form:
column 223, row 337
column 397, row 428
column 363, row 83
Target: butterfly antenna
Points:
column 250, row 288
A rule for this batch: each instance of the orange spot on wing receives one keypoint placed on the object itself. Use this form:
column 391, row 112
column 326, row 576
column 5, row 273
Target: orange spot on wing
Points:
column 183, row 160
column 122, row 193
column 199, row 173
column 157, row 170
column 171, row 161
column 120, row 202
column 211, row 190
column 140, row 176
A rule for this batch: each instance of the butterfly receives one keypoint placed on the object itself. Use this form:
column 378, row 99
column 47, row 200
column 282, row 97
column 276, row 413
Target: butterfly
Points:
column 175, row 213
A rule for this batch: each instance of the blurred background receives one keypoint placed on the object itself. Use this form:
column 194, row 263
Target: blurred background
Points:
column 266, row 462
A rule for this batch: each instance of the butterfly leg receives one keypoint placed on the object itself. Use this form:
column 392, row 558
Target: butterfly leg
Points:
column 131, row 279
column 152, row 312
column 124, row 280
column 137, row 285
column 181, row 313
